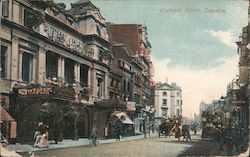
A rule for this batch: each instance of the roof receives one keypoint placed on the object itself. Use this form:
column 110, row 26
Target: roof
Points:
column 5, row 116
column 121, row 52
column 81, row 2
column 167, row 86
column 123, row 117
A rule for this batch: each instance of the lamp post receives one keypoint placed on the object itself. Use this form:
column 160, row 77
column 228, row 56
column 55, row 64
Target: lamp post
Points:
column 144, row 124
column 223, row 103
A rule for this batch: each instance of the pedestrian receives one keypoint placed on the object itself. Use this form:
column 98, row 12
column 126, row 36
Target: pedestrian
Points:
column 221, row 138
column 118, row 133
column 93, row 136
column 177, row 132
column 230, row 134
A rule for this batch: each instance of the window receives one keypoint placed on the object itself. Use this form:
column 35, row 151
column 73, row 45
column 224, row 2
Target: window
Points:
column 31, row 19
column 51, row 65
column 98, row 29
column 164, row 93
column 164, row 112
column 84, row 75
column 178, row 93
column 26, row 67
column 69, row 75
column 164, row 102
column 128, row 87
column 3, row 61
column 100, row 85
column 124, row 85
column 27, row 19
column 177, row 102
column 178, row 112
column 5, row 8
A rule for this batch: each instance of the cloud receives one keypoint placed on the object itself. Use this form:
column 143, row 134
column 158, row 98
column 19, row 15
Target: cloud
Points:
column 226, row 37
column 198, row 84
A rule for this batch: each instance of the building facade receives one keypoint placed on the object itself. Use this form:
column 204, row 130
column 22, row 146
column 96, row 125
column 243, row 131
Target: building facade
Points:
column 168, row 100
column 59, row 67
column 55, row 60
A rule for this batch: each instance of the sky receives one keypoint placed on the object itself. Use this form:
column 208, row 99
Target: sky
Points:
column 193, row 41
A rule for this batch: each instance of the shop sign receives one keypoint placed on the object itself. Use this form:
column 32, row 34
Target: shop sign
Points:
column 238, row 102
column 68, row 41
column 131, row 106
column 35, row 91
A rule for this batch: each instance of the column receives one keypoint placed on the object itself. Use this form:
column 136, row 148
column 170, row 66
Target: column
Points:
column 93, row 82
column 34, row 67
column 41, row 62
column 20, row 63
column 63, row 67
column 77, row 72
column 14, row 68
column 106, row 93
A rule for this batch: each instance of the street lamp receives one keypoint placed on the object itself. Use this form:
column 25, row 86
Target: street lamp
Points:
column 224, row 107
column 144, row 115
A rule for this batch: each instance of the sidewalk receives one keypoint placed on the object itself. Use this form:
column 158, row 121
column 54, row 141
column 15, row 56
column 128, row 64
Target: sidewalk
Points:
column 22, row 148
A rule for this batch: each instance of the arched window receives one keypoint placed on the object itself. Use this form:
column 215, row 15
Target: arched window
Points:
column 164, row 93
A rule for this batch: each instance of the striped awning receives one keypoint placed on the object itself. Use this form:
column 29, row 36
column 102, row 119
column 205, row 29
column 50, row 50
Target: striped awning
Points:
column 5, row 116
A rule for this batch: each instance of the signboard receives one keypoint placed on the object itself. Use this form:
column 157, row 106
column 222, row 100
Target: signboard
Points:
column 68, row 40
column 238, row 102
column 13, row 129
column 35, row 91
column 131, row 106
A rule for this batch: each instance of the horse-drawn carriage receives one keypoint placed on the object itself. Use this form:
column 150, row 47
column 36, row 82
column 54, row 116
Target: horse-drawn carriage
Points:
column 165, row 127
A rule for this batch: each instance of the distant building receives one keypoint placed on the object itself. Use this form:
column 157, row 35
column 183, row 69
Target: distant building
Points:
column 168, row 100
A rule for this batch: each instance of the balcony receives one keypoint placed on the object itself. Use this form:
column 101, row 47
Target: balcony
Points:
column 164, row 107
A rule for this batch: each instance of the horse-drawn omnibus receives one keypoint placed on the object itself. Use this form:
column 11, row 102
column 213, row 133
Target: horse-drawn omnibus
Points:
column 166, row 127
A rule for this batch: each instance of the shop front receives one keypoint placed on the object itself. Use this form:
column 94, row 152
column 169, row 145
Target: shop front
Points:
column 104, row 119
column 53, row 106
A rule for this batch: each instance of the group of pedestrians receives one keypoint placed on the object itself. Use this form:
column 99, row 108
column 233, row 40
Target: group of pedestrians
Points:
column 183, row 131
column 233, row 137
column 41, row 136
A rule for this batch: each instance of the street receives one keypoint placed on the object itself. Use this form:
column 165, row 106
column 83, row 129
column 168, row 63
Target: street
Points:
column 157, row 147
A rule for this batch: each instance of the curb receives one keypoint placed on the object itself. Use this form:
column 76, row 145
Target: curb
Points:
column 101, row 142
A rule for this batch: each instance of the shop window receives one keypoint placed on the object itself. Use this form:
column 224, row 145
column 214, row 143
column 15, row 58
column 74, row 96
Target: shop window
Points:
column 100, row 86
column 5, row 8
column 3, row 61
column 27, row 67
column 51, row 65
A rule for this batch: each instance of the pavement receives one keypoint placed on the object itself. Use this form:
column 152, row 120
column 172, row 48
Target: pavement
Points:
column 24, row 148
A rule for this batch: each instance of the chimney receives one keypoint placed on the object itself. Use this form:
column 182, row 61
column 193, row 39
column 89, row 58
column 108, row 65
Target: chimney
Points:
column 166, row 79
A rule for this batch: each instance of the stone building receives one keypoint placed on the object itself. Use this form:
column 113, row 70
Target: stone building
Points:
column 130, row 42
column 168, row 100
column 54, row 65
column 241, row 102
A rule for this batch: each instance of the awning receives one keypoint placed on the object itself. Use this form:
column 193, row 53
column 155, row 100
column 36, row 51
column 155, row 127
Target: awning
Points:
column 5, row 116
column 124, row 118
